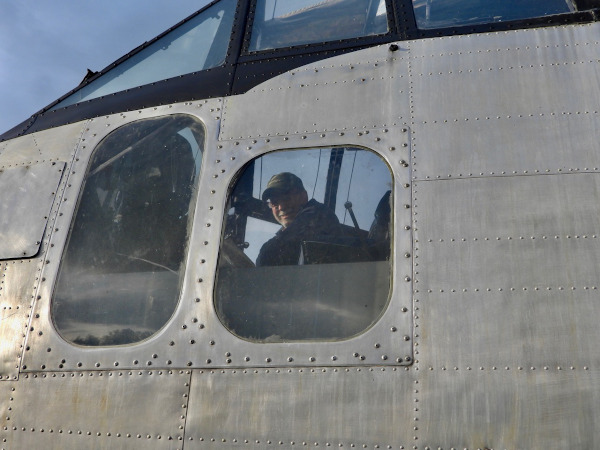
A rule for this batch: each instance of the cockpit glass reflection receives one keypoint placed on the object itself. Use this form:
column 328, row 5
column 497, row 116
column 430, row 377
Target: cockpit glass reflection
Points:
column 279, row 23
column 208, row 34
column 452, row 13
column 305, row 252
column 121, row 273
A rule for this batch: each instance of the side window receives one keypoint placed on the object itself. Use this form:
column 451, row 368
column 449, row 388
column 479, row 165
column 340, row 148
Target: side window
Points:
column 452, row 13
column 305, row 251
column 279, row 24
column 122, row 268
column 199, row 44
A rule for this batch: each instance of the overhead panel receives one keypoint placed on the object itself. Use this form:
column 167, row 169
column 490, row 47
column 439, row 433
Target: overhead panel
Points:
column 26, row 196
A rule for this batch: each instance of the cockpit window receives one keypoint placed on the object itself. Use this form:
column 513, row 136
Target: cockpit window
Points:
column 305, row 251
column 280, row 23
column 121, row 273
column 451, row 13
column 199, row 44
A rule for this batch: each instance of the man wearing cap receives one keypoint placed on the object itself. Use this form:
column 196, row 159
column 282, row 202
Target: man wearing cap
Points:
column 300, row 219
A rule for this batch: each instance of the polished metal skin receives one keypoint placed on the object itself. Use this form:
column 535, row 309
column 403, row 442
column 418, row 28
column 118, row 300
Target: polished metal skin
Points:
column 489, row 338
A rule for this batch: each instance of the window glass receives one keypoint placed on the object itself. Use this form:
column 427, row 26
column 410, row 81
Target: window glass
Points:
column 198, row 44
column 305, row 251
column 282, row 23
column 121, row 272
column 451, row 13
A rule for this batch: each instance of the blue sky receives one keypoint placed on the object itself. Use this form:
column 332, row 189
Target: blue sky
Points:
column 46, row 46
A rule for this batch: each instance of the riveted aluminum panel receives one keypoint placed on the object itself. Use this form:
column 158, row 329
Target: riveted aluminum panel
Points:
column 508, row 271
column 365, row 89
column 508, row 102
column 195, row 337
column 50, row 145
column 368, row 407
column 100, row 410
column 26, row 196
column 531, row 145
column 42, row 334
column 17, row 288
column 520, row 206
column 508, row 408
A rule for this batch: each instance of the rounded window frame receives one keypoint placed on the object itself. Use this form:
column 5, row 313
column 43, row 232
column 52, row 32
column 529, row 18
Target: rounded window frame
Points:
column 299, row 152
column 197, row 133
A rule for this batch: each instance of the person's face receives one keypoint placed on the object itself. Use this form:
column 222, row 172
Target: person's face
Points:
column 286, row 205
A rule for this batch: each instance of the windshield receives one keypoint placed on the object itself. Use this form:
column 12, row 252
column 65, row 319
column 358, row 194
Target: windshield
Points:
column 199, row 44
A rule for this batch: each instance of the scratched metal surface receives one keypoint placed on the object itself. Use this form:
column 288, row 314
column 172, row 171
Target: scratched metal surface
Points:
column 18, row 279
column 509, row 368
column 360, row 91
column 99, row 410
column 26, row 196
column 517, row 283
column 55, row 144
column 306, row 408
column 507, row 103
column 507, row 223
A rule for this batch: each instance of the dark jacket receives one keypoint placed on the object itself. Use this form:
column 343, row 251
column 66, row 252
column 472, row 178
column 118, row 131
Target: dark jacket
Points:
column 313, row 221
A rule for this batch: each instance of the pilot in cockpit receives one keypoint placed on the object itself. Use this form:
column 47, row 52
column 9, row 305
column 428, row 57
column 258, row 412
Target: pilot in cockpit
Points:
column 300, row 219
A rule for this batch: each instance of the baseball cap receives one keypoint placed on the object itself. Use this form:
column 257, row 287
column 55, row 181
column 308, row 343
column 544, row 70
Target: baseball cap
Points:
column 281, row 183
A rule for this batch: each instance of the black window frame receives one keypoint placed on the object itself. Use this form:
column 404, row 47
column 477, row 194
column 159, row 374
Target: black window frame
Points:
column 244, row 70
column 246, row 55
column 215, row 82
